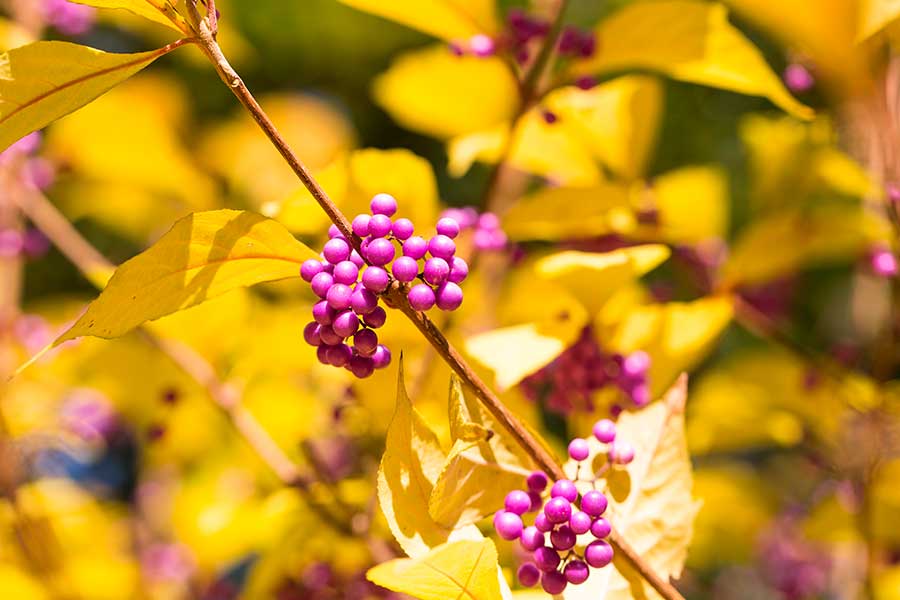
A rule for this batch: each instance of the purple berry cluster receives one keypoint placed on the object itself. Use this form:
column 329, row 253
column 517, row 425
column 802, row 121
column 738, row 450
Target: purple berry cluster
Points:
column 576, row 43
column 570, row 381
column 487, row 234
column 36, row 170
column 349, row 282
column 69, row 18
column 561, row 519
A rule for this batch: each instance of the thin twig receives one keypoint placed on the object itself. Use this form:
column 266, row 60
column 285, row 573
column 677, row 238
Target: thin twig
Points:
column 394, row 297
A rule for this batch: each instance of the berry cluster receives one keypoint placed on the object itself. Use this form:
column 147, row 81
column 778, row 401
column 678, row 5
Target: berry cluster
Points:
column 31, row 243
column 574, row 42
column 487, row 234
column 36, row 170
column 348, row 283
column 69, row 18
column 583, row 369
column 563, row 517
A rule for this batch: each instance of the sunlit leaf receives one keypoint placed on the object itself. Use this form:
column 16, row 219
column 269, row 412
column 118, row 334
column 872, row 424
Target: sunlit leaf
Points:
column 463, row 569
column 202, row 256
column 650, row 501
column 690, row 41
column 690, row 205
column 158, row 11
column 447, row 19
column 44, row 81
column 435, row 92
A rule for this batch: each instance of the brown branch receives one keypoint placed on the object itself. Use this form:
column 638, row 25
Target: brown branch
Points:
column 397, row 299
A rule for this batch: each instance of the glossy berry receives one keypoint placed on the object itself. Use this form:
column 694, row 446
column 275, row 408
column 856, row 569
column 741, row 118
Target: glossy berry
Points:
column 558, row 510
column 576, row 572
column 382, row 357
column 309, row 269
column 346, row 324
column 440, row 246
column 421, row 297
column 436, row 271
column 362, row 301
column 579, row 449
column 321, row 283
column 356, row 259
column 311, row 334
column 528, row 575
column 508, row 525
column 328, row 336
column 580, row 522
column 449, row 296
column 339, row 296
column 415, row 247
column 376, row 279
column 360, row 225
column 621, row 453
column 383, row 204
column 405, row 269
column 537, row 481
column 553, row 582
column 361, row 366
column 345, row 272
column 564, row 489
column 376, row 318
column 517, row 502
column 562, row 538
column 532, row 538
column 546, row 558
column 598, row 554
column 459, row 270
column 601, row 528
column 542, row 523
column 402, row 229
column 339, row 355
column 380, row 226
column 482, row 45
column 594, row 503
column 536, row 501
column 365, row 342
column 447, row 226
column 380, row 251
column 336, row 250
column 323, row 313
column 334, row 232
column 605, row 431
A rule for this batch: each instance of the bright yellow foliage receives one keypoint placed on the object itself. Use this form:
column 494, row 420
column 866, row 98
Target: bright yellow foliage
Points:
column 447, row 19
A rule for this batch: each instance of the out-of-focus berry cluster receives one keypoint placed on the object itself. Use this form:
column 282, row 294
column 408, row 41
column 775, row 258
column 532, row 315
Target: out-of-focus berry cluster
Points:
column 30, row 243
column 69, row 18
column 486, row 232
column 567, row 537
column 349, row 282
column 575, row 375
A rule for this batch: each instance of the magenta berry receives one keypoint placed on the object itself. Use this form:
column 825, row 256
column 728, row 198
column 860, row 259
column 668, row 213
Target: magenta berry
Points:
column 553, row 582
column 436, row 271
column 536, row 501
column 339, row 296
column 362, row 301
column 598, row 554
column 309, row 269
column 403, row 229
column 380, row 226
column 449, row 296
column 517, row 502
column 345, row 324
column 508, row 525
column 621, row 453
column 376, row 279
column 421, row 297
column 459, row 270
column 537, row 481
column 532, row 538
column 448, row 227
column 579, row 449
column 594, row 503
column 321, row 284
column 564, row 489
column 546, row 558
column 336, row 250
column 383, row 204
column 576, row 572
column 328, row 336
column 580, row 522
column 405, row 269
column 380, row 251
column 339, row 355
column 884, row 263
column 334, row 232
column 365, row 342
column 601, row 528
column 605, row 431
column 528, row 575
column 323, row 313
column 376, row 318
column 440, row 246
column 415, row 247
column 542, row 523
column 562, row 538
column 558, row 510
column 382, row 357
column 482, row 45
column 360, row 225
column 311, row 334
column 361, row 366
column 345, row 272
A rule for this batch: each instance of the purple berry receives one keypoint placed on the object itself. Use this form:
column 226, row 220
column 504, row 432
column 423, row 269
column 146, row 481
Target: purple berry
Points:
column 365, row 342
column 537, row 481
column 640, row 394
column 482, row 45
column 405, row 269
column 360, row 225
column 459, row 270
column 345, row 324
column 440, row 246
column 328, row 336
column 517, row 502
column 334, row 232
column 884, row 263
column 546, row 558
column 488, row 221
column 321, row 283
column 309, row 269
column 380, row 226
column 421, row 297
column 402, row 229
column 449, row 296
column 554, row 582
column 436, row 271
column 636, row 364
column 339, row 296
column 339, row 355
column 532, row 538
column 564, row 489
column 323, row 313
column 311, row 334
column 598, row 554
column 594, row 503
column 383, row 204
column 376, row 318
column 580, row 522
column 447, row 226
column 601, row 528
column 382, row 357
column 376, row 279
column 363, row 301
column 415, row 247
column 579, row 449
column 558, row 510
column 528, row 575
column 345, row 272
column 322, row 354
column 542, row 523
column 508, row 525
column 576, row 572
column 621, row 453
column 536, row 501
column 356, row 259
column 336, row 250
column 361, row 366
column 798, row 79
column 380, row 251
column 562, row 538
column 605, row 431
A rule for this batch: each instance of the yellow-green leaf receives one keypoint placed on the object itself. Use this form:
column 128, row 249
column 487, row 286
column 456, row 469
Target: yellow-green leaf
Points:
column 435, row 92
column 463, row 570
column 44, row 81
column 650, row 501
column 203, row 256
column 691, row 205
column 452, row 20
column 158, row 11
column 691, row 41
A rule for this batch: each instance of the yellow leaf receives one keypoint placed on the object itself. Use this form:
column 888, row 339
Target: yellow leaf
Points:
column 691, row 205
column 158, row 11
column 485, row 146
column 876, row 15
column 463, row 569
column 561, row 213
column 650, row 501
column 16, row 583
column 593, row 277
column 447, row 19
column 44, row 81
column 410, row 466
column 691, row 41
column 433, row 91
column 202, row 256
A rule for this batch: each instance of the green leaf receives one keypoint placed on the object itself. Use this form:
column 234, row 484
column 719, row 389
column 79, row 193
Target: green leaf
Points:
column 690, row 41
column 650, row 501
column 451, row 20
column 44, row 81
column 466, row 570
column 158, row 11
column 203, row 256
